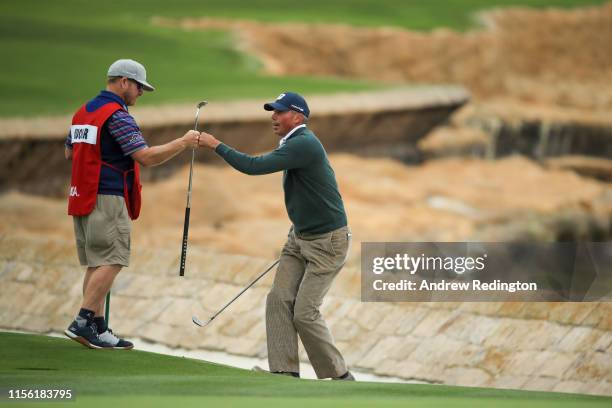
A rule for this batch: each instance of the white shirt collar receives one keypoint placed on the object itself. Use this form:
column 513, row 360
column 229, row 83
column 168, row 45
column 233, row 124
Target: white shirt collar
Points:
column 288, row 135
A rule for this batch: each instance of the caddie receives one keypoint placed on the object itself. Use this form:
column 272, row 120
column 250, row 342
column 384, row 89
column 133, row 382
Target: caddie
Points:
column 106, row 147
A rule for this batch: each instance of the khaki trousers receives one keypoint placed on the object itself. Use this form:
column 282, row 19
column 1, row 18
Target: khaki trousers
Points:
column 308, row 265
column 103, row 236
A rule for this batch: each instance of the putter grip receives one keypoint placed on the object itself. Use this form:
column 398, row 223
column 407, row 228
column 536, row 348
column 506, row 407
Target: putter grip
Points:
column 184, row 245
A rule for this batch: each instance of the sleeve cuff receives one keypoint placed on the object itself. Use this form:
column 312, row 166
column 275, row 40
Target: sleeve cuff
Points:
column 131, row 152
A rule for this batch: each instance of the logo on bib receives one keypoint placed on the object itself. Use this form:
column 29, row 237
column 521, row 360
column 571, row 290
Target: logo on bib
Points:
column 73, row 191
column 80, row 134
column 83, row 134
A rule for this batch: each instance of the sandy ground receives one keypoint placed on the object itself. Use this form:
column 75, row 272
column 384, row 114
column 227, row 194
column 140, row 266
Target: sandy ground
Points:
column 448, row 199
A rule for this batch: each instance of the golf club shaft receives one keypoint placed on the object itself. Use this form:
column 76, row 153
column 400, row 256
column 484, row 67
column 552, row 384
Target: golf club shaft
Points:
column 245, row 289
column 107, row 308
column 188, row 207
column 184, row 245
column 186, row 222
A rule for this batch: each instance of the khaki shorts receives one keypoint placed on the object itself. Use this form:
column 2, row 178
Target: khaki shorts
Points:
column 103, row 237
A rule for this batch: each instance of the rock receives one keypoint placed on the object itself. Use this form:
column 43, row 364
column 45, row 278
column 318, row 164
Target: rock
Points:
column 472, row 328
column 571, row 313
column 433, row 322
column 242, row 346
column 571, row 386
column 579, row 339
column 494, row 360
column 366, row 315
column 162, row 333
column 240, row 324
column 344, row 330
column 464, row 376
column 385, row 349
column 525, row 363
column 411, row 319
column 556, row 365
column 524, row 334
column 176, row 312
column 407, row 369
column 509, row 381
column 543, row 383
column 597, row 168
column 592, row 365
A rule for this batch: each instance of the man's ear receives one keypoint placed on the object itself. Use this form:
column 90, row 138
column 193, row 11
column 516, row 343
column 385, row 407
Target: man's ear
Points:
column 298, row 118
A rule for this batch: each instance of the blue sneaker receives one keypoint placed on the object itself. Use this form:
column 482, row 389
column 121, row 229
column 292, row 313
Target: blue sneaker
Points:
column 114, row 342
column 86, row 335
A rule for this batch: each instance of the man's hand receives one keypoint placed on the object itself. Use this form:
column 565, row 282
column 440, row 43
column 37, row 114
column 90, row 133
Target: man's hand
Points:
column 155, row 155
column 209, row 141
column 190, row 139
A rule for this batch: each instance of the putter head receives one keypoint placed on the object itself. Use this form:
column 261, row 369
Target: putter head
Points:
column 202, row 104
column 198, row 322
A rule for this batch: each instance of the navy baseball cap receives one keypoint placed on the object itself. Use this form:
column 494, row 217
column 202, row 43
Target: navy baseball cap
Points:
column 289, row 101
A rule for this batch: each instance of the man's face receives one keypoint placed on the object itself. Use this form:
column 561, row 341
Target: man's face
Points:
column 132, row 91
column 284, row 121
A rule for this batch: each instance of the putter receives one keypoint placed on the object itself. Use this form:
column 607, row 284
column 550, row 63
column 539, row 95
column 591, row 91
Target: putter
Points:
column 188, row 208
column 200, row 323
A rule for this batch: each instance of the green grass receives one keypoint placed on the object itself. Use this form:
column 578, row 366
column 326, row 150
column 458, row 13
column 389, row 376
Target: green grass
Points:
column 55, row 53
column 118, row 378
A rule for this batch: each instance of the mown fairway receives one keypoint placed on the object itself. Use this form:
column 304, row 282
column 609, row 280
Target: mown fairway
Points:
column 55, row 53
column 140, row 379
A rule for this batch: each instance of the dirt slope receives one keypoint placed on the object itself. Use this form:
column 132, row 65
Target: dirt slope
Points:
column 451, row 199
column 550, row 56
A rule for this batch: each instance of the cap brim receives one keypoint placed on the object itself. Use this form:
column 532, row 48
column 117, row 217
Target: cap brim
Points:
column 275, row 106
column 146, row 86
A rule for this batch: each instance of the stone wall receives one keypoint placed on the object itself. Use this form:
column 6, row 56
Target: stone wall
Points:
column 563, row 347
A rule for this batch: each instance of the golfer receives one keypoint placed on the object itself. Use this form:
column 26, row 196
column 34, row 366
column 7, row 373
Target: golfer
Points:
column 105, row 145
column 317, row 244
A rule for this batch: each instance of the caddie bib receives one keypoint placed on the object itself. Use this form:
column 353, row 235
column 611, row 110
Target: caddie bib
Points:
column 85, row 134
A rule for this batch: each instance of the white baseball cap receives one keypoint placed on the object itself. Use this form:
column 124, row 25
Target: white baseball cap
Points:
column 130, row 69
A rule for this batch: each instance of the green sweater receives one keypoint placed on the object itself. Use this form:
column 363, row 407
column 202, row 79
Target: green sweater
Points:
column 313, row 202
